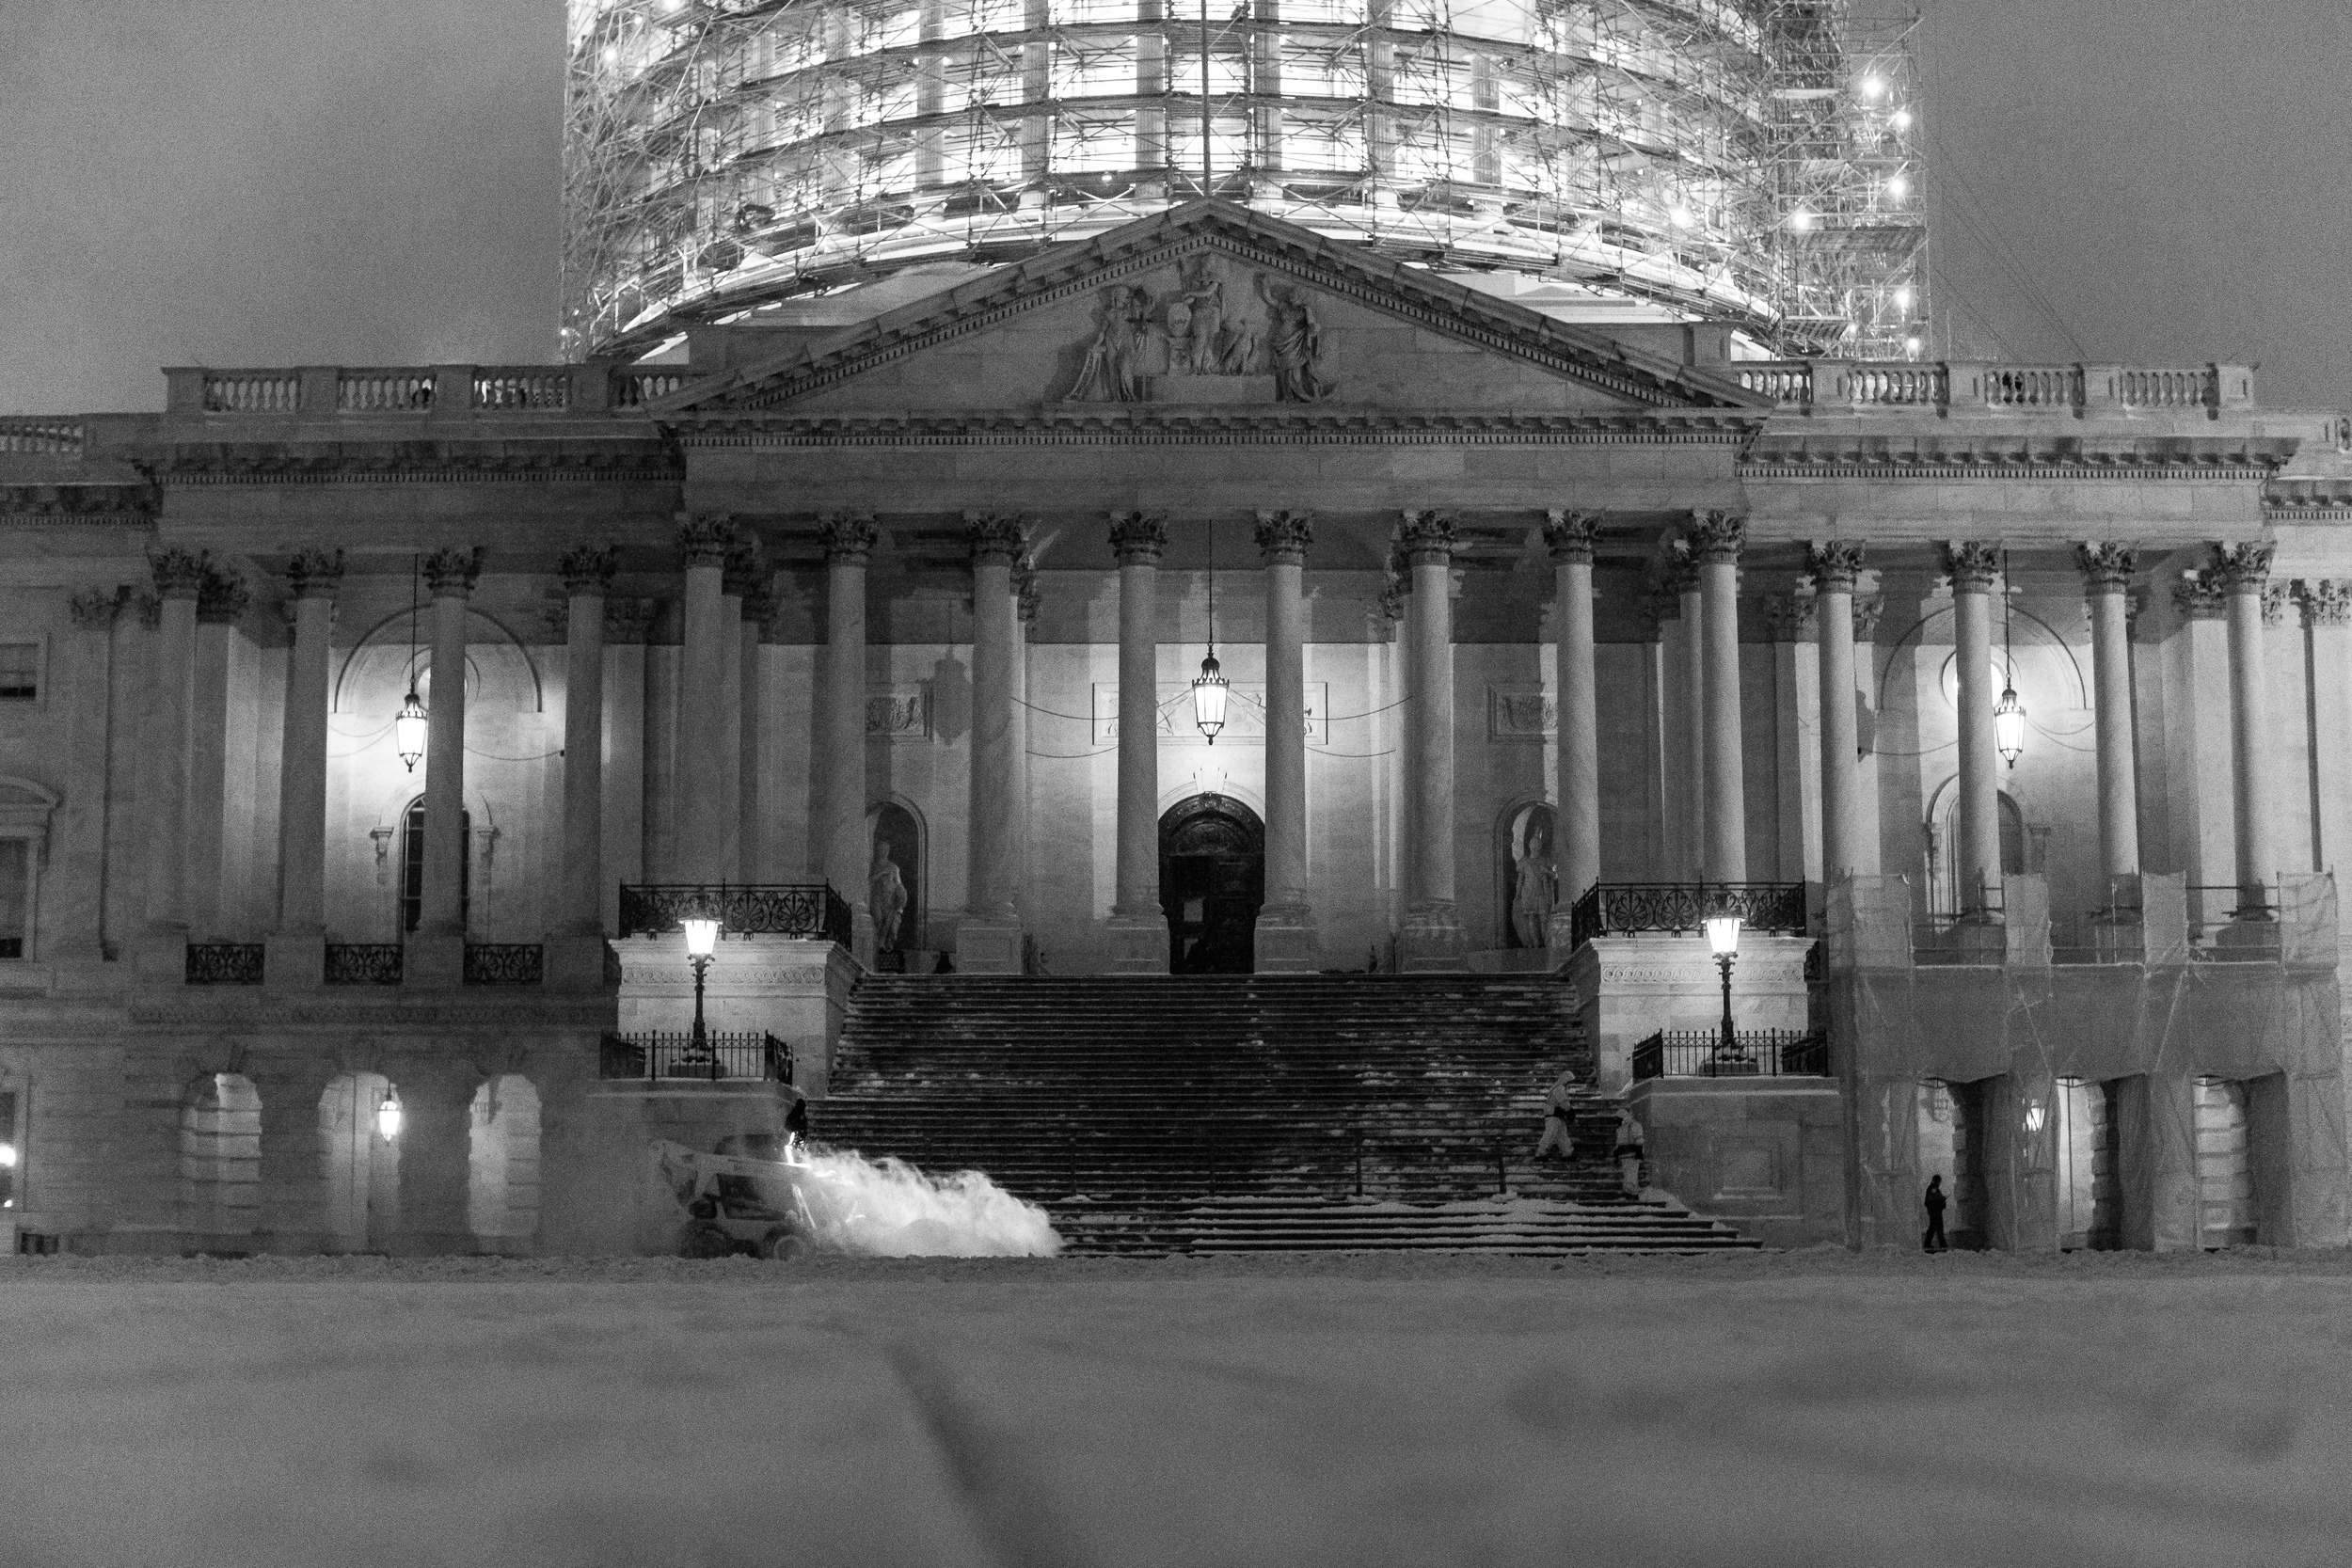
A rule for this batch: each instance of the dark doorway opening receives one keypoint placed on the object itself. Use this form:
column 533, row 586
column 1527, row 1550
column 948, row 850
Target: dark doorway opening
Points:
column 1212, row 882
column 412, row 865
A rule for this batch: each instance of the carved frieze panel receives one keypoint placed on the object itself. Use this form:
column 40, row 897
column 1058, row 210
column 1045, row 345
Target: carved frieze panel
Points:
column 1222, row 333
column 900, row 712
column 1245, row 714
column 1520, row 713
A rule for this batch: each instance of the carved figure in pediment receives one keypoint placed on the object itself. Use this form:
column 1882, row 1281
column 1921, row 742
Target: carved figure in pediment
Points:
column 1110, row 372
column 1200, row 336
column 1294, row 343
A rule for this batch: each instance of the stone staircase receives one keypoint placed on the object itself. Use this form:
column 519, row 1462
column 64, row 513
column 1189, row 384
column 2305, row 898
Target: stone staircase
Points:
column 1245, row 1112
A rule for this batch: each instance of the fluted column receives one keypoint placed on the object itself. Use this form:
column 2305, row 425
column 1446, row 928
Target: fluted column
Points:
column 1570, row 536
column 1974, row 569
column 987, row 939
column 848, row 542
column 587, row 572
column 214, row 907
column 1716, row 539
column 704, row 772
column 1139, row 927
column 1433, row 936
column 755, row 795
column 1285, row 940
column 179, row 578
column 2328, row 622
column 1835, row 566
column 2106, row 580
column 2245, row 571
column 1688, row 703
column 437, row 954
column 297, row 946
column 1027, row 595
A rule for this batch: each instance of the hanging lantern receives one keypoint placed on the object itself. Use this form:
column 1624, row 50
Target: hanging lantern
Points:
column 2009, row 725
column 388, row 1114
column 1208, row 698
column 408, row 730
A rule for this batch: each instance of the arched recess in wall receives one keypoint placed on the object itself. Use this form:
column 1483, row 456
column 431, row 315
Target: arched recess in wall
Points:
column 358, row 1167
column 2026, row 631
column 27, row 806
column 380, row 660
column 502, row 1160
column 220, row 1156
column 390, row 836
column 2025, row 843
column 897, row 872
column 1527, row 872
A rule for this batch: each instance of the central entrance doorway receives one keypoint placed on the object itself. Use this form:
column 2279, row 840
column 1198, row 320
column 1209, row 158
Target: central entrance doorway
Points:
column 1212, row 880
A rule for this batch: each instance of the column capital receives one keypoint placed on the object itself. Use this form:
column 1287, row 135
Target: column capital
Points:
column 1025, row 590
column 1789, row 617
column 221, row 598
column 1427, row 536
column 452, row 572
column 1570, row 535
column 627, row 620
column 1973, row 565
column 1679, row 573
column 95, row 609
column 1834, row 565
column 704, row 538
column 994, row 533
column 1867, row 610
column 587, row 569
column 315, row 574
column 1138, row 537
column 742, row 569
column 2275, row 603
column 2108, row 565
column 1718, row 537
column 2198, row 596
column 1283, row 537
column 179, row 574
column 2241, row 568
column 2326, row 601
column 848, row 535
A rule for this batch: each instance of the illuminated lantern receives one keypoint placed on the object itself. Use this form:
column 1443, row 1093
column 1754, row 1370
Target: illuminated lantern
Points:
column 408, row 730
column 1208, row 698
column 388, row 1114
column 2008, row 726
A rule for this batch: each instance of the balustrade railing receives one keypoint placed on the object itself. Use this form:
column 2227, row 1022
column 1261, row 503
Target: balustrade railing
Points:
column 523, row 387
column 633, row 389
column 385, row 392
column 751, row 1056
column 1824, row 384
column 253, row 391
column 60, row 437
column 504, row 963
column 1619, row 908
column 223, row 963
column 1752, row 1054
column 363, row 963
column 791, row 909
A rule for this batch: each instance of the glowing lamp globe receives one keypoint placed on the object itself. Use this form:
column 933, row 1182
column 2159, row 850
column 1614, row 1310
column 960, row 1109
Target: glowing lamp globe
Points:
column 408, row 730
column 2035, row 1116
column 702, row 936
column 8, row 1156
column 1722, row 935
column 1208, row 698
column 2008, row 726
column 387, row 1114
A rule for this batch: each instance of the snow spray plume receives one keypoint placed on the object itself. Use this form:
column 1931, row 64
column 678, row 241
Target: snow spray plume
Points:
column 888, row 1208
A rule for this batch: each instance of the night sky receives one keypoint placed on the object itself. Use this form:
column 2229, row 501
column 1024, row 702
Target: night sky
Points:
column 253, row 183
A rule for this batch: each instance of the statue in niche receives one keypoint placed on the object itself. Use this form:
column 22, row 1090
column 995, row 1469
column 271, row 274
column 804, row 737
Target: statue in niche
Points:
column 1294, row 343
column 1200, row 334
column 1109, row 374
column 1534, row 878
column 887, row 896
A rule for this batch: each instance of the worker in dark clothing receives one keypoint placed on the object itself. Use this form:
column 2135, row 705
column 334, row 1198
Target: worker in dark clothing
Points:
column 1933, row 1241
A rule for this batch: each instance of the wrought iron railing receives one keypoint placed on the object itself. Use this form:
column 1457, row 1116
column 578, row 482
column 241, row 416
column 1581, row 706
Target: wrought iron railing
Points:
column 225, row 963
column 715, row 1058
column 791, row 909
column 1614, row 909
column 504, row 963
column 1752, row 1054
column 363, row 963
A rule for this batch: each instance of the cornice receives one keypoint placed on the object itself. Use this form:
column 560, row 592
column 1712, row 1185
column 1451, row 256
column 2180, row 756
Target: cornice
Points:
column 1935, row 470
column 1145, row 427
column 535, row 1013
column 134, row 505
column 417, row 463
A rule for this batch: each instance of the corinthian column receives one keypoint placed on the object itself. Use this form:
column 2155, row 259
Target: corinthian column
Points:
column 849, row 542
column 179, row 579
column 1716, row 539
column 297, row 946
column 574, row 956
column 437, row 954
column 1432, row 937
column 987, row 939
column 2245, row 571
column 1974, row 569
column 1286, row 925
column 1139, row 927
column 1835, row 566
column 1570, row 536
column 2106, row 580
column 705, row 781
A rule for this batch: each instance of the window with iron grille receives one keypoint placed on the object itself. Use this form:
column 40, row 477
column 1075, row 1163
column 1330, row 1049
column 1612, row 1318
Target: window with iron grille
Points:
column 19, row 671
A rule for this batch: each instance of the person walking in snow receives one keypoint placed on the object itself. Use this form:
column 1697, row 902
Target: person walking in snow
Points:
column 1629, row 1152
column 1932, row 1241
column 1558, row 1112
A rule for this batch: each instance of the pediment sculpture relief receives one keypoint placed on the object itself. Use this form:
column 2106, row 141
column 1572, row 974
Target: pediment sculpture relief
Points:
column 1197, row 344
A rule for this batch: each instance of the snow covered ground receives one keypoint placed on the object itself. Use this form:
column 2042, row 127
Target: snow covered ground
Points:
column 1808, row 1408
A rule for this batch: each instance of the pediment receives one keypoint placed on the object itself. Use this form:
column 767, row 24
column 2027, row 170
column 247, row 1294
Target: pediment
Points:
column 1212, row 306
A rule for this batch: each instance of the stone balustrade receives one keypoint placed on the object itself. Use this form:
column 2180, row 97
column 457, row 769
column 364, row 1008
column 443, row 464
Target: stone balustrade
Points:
column 393, row 390
column 1832, row 386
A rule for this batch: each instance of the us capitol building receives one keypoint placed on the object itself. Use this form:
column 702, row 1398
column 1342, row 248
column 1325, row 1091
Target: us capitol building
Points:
column 1206, row 592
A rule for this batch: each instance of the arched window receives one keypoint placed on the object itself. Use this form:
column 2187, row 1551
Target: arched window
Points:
column 220, row 1156
column 502, row 1160
column 412, row 864
column 360, row 1166
column 1945, row 883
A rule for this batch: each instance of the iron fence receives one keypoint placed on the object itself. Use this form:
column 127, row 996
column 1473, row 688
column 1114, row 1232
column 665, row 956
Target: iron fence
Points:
column 223, row 963
column 792, row 910
column 1611, row 909
column 1752, row 1054
column 759, row 1057
column 504, row 963
column 363, row 963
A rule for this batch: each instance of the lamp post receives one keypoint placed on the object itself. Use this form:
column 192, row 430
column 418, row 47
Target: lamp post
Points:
column 702, row 935
column 1723, row 936
column 388, row 1114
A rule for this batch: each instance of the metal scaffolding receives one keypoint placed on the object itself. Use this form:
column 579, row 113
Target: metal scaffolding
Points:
column 1743, row 159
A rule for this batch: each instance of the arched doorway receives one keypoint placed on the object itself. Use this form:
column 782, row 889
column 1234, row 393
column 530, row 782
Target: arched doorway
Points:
column 1212, row 882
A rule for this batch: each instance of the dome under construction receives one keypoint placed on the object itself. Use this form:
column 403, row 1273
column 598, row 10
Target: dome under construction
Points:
column 1750, row 160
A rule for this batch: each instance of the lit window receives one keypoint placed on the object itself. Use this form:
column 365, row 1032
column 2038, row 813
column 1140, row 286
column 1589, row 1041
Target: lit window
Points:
column 19, row 671
column 15, row 895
